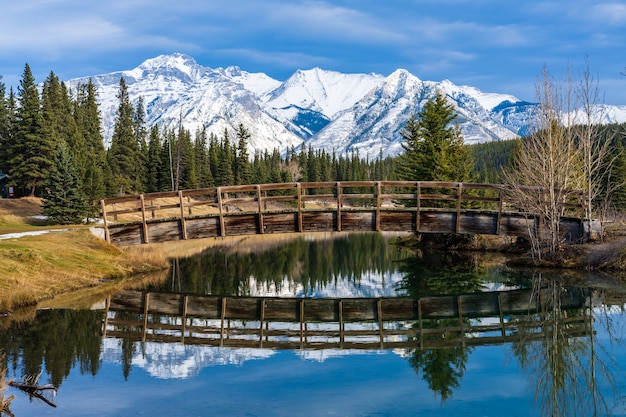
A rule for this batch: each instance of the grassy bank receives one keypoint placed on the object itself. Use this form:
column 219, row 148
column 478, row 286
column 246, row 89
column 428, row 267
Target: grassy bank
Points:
column 39, row 267
column 36, row 268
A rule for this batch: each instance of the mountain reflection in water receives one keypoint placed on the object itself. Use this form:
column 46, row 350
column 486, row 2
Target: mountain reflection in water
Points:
column 462, row 334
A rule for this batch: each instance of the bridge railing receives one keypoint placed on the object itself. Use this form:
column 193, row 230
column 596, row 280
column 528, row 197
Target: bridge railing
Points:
column 303, row 197
column 319, row 195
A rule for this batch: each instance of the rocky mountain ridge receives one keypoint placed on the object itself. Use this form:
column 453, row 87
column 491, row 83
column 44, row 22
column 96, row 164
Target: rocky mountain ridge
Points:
column 319, row 108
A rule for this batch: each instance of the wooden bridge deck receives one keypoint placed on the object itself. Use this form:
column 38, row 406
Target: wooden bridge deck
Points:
column 395, row 206
column 349, row 323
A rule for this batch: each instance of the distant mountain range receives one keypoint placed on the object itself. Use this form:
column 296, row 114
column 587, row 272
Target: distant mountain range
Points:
column 325, row 109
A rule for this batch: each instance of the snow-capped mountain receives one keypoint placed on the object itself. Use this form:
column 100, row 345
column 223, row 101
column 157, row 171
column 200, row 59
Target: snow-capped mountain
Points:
column 325, row 109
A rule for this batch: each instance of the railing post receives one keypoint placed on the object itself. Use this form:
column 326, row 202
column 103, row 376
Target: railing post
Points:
column 339, row 202
column 418, row 192
column 378, row 204
column 499, row 211
column 459, row 194
column 107, row 235
column 221, row 209
column 183, row 224
column 144, row 225
column 260, row 207
column 299, row 191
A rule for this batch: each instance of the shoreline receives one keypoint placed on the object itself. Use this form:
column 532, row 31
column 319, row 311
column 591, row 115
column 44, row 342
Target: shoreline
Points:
column 63, row 256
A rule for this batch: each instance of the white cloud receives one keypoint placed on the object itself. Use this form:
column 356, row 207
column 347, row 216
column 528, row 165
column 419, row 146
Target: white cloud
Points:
column 326, row 21
column 610, row 13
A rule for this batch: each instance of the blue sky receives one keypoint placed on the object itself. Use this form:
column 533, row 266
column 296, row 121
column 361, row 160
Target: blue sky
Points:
column 497, row 46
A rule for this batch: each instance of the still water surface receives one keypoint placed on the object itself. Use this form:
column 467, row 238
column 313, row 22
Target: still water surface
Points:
column 569, row 362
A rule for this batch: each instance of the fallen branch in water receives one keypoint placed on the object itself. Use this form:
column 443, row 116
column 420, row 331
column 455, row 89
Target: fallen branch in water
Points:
column 30, row 387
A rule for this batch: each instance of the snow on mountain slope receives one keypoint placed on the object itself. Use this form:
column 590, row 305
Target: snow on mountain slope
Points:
column 175, row 87
column 373, row 125
column 325, row 109
column 327, row 92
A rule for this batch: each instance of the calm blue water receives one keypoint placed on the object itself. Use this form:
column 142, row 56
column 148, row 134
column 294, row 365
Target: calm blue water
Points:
column 569, row 376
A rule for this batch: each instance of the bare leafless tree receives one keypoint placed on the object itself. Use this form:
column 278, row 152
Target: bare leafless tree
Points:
column 594, row 142
column 549, row 162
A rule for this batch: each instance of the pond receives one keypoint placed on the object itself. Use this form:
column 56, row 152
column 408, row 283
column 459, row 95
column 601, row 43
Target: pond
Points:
column 434, row 334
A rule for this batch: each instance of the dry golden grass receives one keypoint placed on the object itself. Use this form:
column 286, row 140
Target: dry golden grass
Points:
column 40, row 267
column 18, row 215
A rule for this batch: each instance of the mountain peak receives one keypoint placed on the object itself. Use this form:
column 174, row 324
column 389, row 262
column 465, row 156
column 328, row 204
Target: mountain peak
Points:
column 176, row 59
column 175, row 65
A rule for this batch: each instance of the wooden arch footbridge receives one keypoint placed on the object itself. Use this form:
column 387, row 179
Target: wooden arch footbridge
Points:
column 382, row 206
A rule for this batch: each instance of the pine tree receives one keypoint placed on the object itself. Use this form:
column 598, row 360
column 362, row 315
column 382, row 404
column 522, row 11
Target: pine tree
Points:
column 154, row 165
column 214, row 157
column 31, row 151
column 188, row 173
column 123, row 155
column 166, row 177
column 242, row 163
column 139, row 124
column 64, row 202
column 226, row 176
column 52, row 109
column 203, row 163
column 97, row 174
column 433, row 146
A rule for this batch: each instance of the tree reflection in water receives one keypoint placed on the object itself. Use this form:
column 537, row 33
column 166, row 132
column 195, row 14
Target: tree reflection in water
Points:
column 428, row 274
column 567, row 371
column 561, row 357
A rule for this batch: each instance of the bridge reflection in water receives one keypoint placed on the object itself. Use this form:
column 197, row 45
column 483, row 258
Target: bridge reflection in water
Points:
column 349, row 323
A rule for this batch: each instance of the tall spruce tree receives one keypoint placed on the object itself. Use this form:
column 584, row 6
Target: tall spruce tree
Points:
column 64, row 201
column 71, row 133
column 225, row 168
column 32, row 151
column 97, row 174
column 203, row 163
column 139, row 124
column 242, row 163
column 123, row 155
column 154, row 167
column 433, row 145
